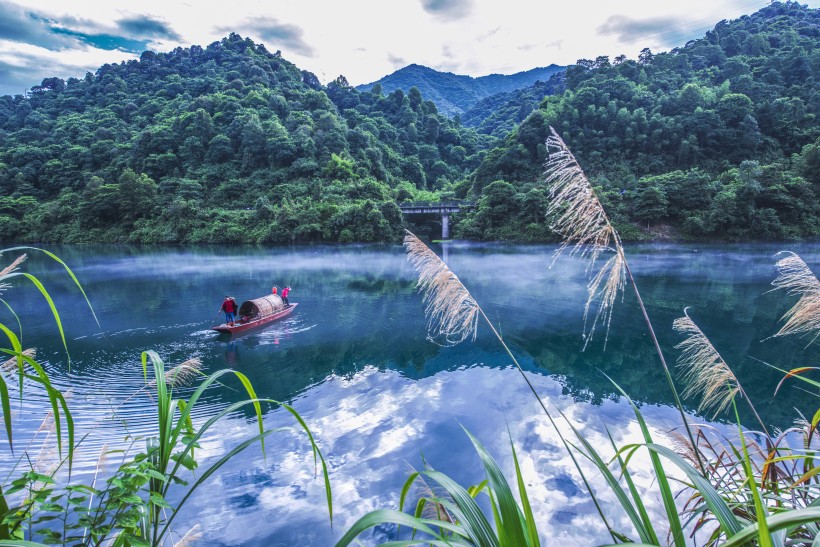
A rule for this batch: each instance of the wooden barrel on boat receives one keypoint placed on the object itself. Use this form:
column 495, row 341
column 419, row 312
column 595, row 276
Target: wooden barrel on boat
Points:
column 261, row 307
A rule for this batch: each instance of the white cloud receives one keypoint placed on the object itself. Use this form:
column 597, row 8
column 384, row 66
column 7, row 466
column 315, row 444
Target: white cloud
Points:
column 364, row 39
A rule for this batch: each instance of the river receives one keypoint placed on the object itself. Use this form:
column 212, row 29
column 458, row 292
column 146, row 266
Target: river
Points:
column 354, row 360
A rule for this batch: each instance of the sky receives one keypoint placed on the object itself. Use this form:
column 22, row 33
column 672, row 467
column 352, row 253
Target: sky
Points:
column 360, row 39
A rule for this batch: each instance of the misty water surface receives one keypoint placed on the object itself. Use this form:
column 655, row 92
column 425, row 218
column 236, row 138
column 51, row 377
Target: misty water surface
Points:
column 354, row 361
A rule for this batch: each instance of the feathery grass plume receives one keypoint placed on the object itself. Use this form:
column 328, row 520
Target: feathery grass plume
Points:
column 13, row 266
column 11, row 365
column 797, row 279
column 190, row 537
column 705, row 371
column 433, row 509
column 605, row 287
column 582, row 222
column 47, row 424
column 580, row 218
column 183, row 373
column 452, row 313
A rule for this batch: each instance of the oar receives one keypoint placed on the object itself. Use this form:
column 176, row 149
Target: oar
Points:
column 217, row 316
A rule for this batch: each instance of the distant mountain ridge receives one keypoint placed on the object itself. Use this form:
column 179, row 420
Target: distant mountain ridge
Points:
column 453, row 93
column 498, row 114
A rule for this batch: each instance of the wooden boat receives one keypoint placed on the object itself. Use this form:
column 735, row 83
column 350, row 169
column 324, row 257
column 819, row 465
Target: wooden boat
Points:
column 256, row 313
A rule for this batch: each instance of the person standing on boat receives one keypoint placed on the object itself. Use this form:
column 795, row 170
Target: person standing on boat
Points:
column 229, row 307
column 285, row 293
column 273, row 290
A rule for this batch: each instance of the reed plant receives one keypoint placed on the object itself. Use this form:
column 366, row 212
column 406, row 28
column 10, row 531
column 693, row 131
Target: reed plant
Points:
column 749, row 491
column 139, row 501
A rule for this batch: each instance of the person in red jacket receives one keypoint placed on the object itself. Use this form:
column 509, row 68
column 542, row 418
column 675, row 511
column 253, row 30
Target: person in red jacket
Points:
column 285, row 293
column 273, row 290
column 229, row 307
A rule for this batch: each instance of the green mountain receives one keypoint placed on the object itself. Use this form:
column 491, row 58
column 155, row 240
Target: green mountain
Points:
column 719, row 138
column 226, row 143
column 498, row 114
column 454, row 94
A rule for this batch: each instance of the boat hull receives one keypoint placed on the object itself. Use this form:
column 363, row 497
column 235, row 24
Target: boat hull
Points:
column 242, row 327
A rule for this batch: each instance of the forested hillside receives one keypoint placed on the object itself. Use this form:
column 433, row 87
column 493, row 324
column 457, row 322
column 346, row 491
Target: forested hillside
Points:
column 224, row 143
column 454, row 94
column 715, row 139
column 499, row 114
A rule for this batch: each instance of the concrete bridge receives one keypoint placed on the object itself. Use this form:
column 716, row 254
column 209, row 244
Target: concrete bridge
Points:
column 445, row 209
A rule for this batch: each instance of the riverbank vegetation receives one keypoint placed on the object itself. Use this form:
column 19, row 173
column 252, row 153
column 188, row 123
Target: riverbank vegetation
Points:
column 232, row 143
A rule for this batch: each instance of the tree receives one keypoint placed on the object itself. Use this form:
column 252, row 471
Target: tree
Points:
column 645, row 56
column 339, row 168
column 137, row 195
column 650, row 205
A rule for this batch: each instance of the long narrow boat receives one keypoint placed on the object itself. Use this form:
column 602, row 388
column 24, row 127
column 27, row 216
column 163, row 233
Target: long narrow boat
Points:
column 256, row 313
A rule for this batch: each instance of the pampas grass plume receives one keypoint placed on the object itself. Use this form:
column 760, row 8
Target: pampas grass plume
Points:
column 452, row 313
column 705, row 372
column 795, row 277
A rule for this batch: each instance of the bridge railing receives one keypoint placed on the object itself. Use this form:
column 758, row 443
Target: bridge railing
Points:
column 462, row 204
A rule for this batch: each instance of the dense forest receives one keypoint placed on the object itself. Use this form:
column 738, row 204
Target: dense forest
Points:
column 500, row 113
column 229, row 143
column 717, row 139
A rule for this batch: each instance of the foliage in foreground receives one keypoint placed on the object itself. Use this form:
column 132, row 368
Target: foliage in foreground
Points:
column 137, row 503
column 745, row 489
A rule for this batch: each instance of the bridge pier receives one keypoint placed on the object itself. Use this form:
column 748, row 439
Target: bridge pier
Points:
column 445, row 226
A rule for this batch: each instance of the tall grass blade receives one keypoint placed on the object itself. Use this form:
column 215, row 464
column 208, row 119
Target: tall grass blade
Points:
column 210, row 471
column 260, row 437
column 56, row 398
column 510, row 514
column 667, row 495
column 532, row 531
column 5, row 403
column 780, row 521
column 722, row 512
column 4, row 510
column 384, row 516
column 633, row 491
column 764, row 537
column 465, row 509
column 647, row 535
column 36, row 282
column 67, row 269
column 410, row 542
column 16, row 317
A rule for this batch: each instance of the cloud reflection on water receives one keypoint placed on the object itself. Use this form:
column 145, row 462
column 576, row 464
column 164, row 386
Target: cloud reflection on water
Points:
column 376, row 424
